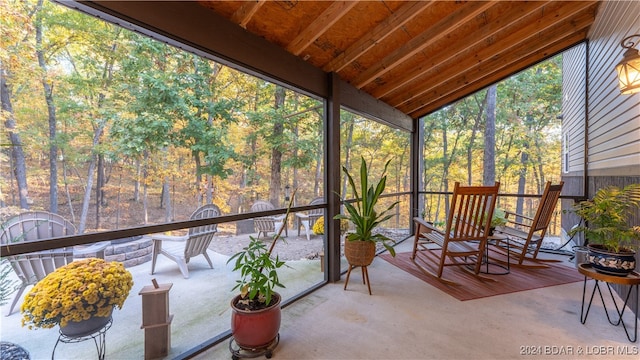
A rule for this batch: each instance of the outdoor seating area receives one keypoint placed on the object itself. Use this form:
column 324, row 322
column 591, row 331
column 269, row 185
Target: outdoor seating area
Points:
column 197, row 166
column 334, row 323
column 529, row 231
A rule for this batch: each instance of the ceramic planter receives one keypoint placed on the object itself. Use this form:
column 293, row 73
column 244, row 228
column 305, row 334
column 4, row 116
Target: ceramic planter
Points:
column 611, row 263
column 255, row 330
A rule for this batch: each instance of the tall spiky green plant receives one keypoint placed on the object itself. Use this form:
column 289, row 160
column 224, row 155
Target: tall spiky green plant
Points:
column 607, row 216
column 363, row 214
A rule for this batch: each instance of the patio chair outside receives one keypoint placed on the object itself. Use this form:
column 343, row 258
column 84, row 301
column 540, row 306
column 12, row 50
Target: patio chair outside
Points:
column 464, row 239
column 33, row 226
column 309, row 218
column 267, row 224
column 182, row 248
column 531, row 231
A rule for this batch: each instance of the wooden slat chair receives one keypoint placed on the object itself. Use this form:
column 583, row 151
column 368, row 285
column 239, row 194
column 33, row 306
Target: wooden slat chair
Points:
column 308, row 219
column 182, row 248
column 463, row 241
column 530, row 232
column 267, row 224
column 35, row 226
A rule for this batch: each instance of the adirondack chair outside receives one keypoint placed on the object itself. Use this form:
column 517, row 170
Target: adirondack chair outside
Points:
column 33, row 267
column 182, row 248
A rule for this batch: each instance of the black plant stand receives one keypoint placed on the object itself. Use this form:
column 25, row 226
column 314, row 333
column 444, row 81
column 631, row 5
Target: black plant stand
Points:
column 238, row 352
column 98, row 337
column 632, row 280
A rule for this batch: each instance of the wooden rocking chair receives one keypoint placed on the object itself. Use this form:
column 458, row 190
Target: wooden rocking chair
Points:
column 463, row 241
column 527, row 233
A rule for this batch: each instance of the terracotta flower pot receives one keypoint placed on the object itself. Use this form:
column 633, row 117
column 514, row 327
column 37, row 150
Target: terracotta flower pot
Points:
column 255, row 330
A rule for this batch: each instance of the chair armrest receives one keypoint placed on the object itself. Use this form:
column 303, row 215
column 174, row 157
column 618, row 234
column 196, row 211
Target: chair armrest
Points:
column 429, row 226
column 506, row 213
column 163, row 237
column 302, row 216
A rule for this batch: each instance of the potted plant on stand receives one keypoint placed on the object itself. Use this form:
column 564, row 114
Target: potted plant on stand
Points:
column 360, row 245
column 610, row 238
column 79, row 297
column 255, row 317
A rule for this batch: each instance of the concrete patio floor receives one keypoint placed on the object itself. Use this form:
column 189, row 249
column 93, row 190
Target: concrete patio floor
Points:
column 405, row 318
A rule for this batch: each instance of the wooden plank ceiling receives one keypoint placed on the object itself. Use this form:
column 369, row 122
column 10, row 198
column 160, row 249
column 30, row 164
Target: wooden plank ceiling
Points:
column 416, row 56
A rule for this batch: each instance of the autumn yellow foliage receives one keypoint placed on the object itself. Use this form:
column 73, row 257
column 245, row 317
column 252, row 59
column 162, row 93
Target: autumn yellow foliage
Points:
column 75, row 292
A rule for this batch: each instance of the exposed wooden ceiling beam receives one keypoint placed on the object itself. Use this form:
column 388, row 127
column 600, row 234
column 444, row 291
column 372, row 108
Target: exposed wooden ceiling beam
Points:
column 555, row 40
column 541, row 54
column 328, row 17
column 243, row 15
column 408, row 82
column 489, row 54
column 418, row 43
column 380, row 32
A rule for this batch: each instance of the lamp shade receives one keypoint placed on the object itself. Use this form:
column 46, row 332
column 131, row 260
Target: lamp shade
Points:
column 629, row 70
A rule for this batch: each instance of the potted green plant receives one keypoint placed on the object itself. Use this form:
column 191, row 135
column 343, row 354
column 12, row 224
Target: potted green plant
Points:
column 611, row 240
column 255, row 318
column 360, row 245
column 499, row 218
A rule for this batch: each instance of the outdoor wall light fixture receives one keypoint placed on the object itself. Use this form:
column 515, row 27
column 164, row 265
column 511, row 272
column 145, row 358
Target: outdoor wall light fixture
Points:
column 629, row 68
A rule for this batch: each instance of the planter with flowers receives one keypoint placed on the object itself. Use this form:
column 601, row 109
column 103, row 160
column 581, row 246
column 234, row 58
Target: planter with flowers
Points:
column 79, row 297
column 318, row 226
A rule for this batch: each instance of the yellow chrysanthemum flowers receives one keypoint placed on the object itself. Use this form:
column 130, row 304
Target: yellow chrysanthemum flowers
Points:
column 318, row 226
column 77, row 291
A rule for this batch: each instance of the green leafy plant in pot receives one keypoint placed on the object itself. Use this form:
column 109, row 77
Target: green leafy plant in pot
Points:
column 255, row 318
column 360, row 244
column 611, row 239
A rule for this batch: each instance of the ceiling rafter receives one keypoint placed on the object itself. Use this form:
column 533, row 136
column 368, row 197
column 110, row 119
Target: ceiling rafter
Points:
column 557, row 38
column 460, row 82
column 417, row 44
column 523, row 38
column 409, row 54
column 409, row 81
column 541, row 55
column 380, row 32
column 323, row 22
column 243, row 15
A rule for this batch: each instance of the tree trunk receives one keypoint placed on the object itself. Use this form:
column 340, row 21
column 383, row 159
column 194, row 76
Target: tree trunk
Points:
column 145, row 205
column 199, row 196
column 522, row 180
column 472, row 139
column 489, row 168
column 51, row 111
column 17, row 152
column 136, row 184
column 66, row 189
column 99, row 184
column 90, row 173
column 276, row 152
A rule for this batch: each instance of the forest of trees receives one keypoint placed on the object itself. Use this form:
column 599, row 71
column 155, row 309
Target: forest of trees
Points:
column 106, row 127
